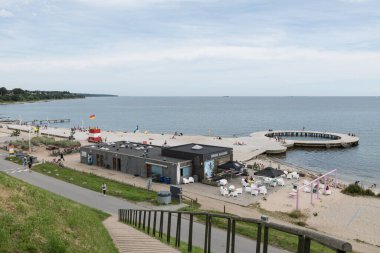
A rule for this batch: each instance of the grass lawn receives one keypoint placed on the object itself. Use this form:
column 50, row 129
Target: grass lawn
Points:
column 34, row 220
column 14, row 159
column 94, row 182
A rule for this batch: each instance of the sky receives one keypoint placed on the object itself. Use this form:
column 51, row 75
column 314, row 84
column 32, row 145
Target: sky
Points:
column 192, row 47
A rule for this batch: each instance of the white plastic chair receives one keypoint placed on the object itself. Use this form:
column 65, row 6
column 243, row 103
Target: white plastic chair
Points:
column 289, row 176
column 185, row 180
column 223, row 182
column 223, row 191
column 191, row 180
column 328, row 192
column 234, row 194
column 263, row 190
column 273, row 183
column 248, row 189
column 306, row 189
column 267, row 180
column 239, row 190
column 254, row 192
column 295, row 175
column 280, row 182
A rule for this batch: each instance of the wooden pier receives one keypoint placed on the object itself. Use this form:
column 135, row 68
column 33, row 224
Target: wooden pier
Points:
column 34, row 122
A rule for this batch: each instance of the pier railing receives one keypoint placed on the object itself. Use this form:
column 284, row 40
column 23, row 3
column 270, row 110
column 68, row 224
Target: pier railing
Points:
column 152, row 223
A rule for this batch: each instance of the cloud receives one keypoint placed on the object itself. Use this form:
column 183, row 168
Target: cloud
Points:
column 5, row 13
column 137, row 3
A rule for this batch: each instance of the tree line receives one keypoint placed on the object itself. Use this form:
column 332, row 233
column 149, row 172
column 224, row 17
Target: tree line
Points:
column 20, row 95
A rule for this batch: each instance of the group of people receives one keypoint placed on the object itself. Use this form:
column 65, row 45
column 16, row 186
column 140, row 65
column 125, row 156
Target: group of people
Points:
column 351, row 134
column 248, row 179
column 278, row 139
column 27, row 162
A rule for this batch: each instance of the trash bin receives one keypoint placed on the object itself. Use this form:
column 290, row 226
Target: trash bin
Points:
column 162, row 179
column 164, row 197
column 167, row 180
column 176, row 191
column 195, row 178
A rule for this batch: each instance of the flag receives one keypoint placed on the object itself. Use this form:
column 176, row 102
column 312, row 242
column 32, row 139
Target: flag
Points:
column 92, row 116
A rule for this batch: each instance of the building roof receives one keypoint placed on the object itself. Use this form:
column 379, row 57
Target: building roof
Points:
column 136, row 150
column 199, row 149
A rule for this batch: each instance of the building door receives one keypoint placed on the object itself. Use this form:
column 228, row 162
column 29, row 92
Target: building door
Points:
column 118, row 164
column 97, row 160
column 101, row 161
column 148, row 170
column 114, row 163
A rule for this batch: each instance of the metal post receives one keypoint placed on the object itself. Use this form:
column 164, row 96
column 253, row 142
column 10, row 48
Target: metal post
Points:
column 140, row 218
column 190, row 243
column 161, row 224
column 307, row 245
column 228, row 236
column 209, row 234
column 148, row 222
column 311, row 193
column 266, row 237
column 233, row 236
column 30, row 145
column 154, row 223
column 258, row 239
column 169, row 227
column 301, row 244
column 206, row 237
column 297, row 204
column 144, row 220
column 318, row 189
column 178, row 232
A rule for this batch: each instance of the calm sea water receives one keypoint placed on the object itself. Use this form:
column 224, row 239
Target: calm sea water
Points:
column 228, row 116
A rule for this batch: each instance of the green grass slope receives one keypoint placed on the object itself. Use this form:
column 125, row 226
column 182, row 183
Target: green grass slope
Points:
column 34, row 220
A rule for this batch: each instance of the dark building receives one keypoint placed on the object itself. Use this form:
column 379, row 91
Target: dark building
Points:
column 154, row 161
column 205, row 158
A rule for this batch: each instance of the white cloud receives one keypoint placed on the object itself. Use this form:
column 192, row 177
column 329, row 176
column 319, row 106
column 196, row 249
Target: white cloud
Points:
column 137, row 3
column 5, row 13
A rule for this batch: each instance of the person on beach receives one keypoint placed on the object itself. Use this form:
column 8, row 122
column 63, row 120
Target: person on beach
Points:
column 62, row 158
column 104, row 189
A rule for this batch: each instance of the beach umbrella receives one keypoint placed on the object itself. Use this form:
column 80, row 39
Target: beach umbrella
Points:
column 269, row 172
column 231, row 165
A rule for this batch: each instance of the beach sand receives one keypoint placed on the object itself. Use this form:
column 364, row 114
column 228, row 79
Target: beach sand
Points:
column 355, row 219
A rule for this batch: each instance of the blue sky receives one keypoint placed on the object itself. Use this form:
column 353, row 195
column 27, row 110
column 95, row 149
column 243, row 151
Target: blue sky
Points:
column 192, row 47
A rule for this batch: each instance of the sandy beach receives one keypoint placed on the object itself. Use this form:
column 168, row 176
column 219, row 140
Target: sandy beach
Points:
column 350, row 218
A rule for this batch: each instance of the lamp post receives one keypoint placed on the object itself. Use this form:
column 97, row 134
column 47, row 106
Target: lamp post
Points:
column 30, row 146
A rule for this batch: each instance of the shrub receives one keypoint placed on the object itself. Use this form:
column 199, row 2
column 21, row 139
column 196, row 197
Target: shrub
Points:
column 296, row 214
column 357, row 190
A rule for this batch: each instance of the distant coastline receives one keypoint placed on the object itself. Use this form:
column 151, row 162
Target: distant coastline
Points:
column 20, row 96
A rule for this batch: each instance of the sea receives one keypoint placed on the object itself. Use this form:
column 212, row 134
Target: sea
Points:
column 235, row 116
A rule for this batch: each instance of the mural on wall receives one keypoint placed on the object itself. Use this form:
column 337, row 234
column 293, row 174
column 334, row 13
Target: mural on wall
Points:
column 209, row 167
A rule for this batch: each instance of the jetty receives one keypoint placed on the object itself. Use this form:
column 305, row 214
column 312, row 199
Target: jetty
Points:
column 325, row 139
column 34, row 122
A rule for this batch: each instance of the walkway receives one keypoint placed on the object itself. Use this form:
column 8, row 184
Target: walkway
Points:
column 125, row 238
column 111, row 205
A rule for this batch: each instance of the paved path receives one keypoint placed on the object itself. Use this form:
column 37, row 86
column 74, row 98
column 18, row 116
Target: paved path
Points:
column 127, row 239
column 111, row 205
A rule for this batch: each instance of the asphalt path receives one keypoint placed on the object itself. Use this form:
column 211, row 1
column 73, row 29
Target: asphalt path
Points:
column 111, row 205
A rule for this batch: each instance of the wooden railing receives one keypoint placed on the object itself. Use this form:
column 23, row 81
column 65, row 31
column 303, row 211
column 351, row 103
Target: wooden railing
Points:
column 148, row 221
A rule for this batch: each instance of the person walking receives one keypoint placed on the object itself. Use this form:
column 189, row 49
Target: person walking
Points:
column 104, row 189
column 30, row 163
column 62, row 158
column 24, row 162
